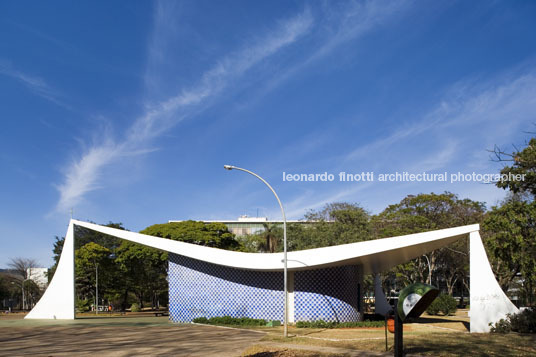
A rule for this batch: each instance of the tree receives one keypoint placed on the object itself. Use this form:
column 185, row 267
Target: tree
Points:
column 511, row 237
column 56, row 250
column 510, row 227
column 92, row 262
column 21, row 269
column 143, row 270
column 272, row 235
column 83, row 236
column 452, row 265
column 523, row 163
column 334, row 224
column 8, row 291
column 214, row 235
column 426, row 212
column 4, row 288
column 329, row 211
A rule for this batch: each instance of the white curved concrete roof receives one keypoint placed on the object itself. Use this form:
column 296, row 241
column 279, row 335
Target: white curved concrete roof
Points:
column 374, row 255
column 488, row 301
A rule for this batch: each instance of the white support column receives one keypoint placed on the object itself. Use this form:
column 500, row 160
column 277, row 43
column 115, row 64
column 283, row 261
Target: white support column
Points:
column 489, row 303
column 58, row 300
column 290, row 287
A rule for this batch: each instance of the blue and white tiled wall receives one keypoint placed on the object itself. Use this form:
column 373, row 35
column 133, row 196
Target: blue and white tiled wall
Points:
column 200, row 289
column 330, row 294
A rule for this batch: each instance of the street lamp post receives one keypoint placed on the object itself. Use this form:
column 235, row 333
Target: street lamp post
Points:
column 96, row 288
column 285, row 319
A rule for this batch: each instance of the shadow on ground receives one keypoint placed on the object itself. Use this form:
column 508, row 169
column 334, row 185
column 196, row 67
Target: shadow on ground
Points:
column 472, row 345
column 120, row 337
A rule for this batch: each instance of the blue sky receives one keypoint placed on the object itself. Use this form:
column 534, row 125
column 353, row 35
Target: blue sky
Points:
column 127, row 111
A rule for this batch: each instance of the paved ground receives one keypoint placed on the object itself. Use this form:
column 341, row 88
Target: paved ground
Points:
column 125, row 336
column 146, row 335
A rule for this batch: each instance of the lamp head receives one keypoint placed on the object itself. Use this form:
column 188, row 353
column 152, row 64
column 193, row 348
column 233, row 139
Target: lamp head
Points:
column 228, row 167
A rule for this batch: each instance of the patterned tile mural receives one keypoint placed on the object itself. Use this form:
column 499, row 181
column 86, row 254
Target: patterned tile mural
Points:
column 330, row 294
column 200, row 289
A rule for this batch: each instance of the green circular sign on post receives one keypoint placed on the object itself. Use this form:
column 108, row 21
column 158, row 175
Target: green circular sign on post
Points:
column 414, row 299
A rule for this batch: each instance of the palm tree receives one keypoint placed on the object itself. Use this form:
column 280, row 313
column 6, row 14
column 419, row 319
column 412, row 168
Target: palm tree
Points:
column 271, row 238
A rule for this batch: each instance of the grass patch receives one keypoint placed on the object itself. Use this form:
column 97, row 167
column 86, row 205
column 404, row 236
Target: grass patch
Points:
column 228, row 320
column 420, row 339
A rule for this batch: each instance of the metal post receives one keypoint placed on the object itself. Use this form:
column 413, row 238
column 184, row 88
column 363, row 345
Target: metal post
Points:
column 399, row 330
column 285, row 273
column 96, row 288
column 386, row 347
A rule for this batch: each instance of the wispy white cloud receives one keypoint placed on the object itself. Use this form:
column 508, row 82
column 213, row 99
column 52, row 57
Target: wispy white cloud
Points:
column 351, row 20
column 439, row 159
column 165, row 114
column 36, row 84
column 82, row 175
column 497, row 107
column 296, row 208
column 339, row 24
column 453, row 136
column 85, row 174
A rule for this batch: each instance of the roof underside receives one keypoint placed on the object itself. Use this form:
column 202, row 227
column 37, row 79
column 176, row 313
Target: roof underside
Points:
column 373, row 256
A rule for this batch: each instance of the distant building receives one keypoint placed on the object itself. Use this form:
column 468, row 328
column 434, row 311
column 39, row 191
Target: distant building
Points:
column 246, row 225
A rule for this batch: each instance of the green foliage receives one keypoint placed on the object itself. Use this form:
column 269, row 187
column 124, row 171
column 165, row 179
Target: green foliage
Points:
column 4, row 288
column 128, row 271
column 142, row 269
column 201, row 320
column 82, row 237
column 336, row 223
column 228, row 320
column 433, row 309
column 523, row 162
column 215, row 235
column 522, row 322
column 83, row 305
column 90, row 259
column 8, row 290
column 511, row 238
column 501, row 326
column 426, row 212
column 324, row 324
column 444, row 303
column 510, row 229
column 135, row 307
column 272, row 235
column 250, row 243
